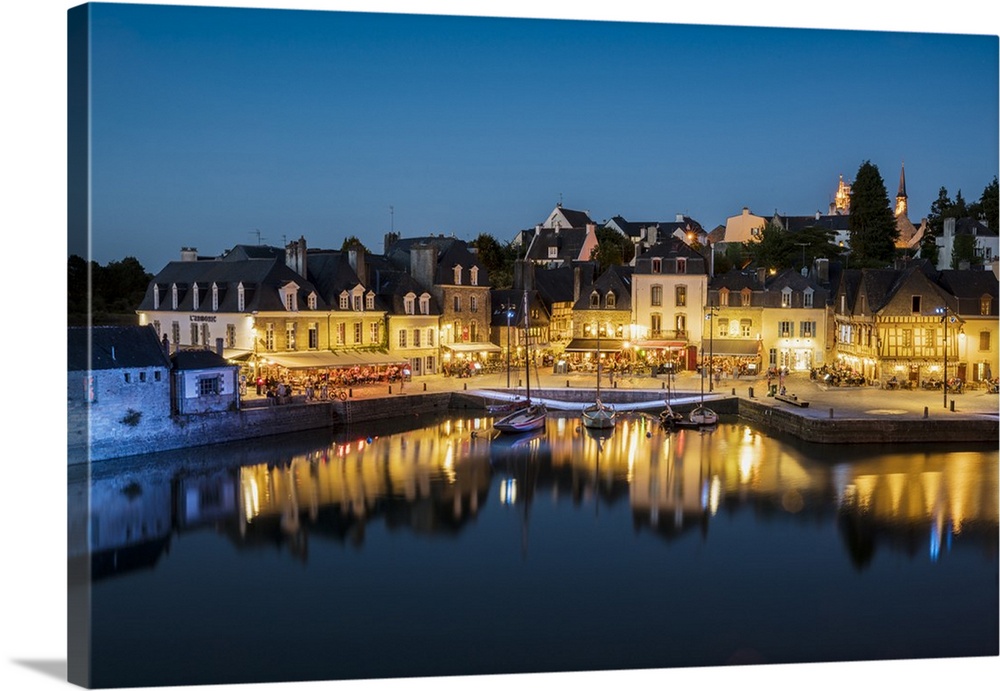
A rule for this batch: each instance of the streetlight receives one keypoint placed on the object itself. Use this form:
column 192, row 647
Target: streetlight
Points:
column 510, row 314
column 711, row 334
column 945, row 318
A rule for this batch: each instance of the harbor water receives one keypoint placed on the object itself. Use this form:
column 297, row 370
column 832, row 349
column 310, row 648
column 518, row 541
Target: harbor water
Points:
column 429, row 546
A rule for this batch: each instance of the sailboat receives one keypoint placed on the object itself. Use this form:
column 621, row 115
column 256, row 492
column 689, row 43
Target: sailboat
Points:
column 668, row 416
column 597, row 415
column 532, row 416
column 701, row 415
column 493, row 406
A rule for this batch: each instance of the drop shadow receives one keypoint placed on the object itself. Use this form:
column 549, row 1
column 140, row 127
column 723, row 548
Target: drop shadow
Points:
column 57, row 669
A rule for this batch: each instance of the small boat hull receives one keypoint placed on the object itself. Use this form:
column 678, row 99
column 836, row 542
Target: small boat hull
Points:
column 598, row 416
column 703, row 416
column 506, row 407
column 527, row 419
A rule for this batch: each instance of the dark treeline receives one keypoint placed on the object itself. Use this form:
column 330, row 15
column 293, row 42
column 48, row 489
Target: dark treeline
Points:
column 116, row 289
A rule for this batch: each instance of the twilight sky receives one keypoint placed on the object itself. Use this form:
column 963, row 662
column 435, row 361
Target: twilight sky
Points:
column 211, row 124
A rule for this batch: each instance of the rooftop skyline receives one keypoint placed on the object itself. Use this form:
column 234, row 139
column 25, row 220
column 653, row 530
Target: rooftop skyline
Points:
column 221, row 126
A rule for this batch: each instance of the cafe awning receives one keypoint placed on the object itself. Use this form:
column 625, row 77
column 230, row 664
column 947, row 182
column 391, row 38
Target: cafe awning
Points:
column 589, row 345
column 236, row 354
column 654, row 344
column 328, row 359
column 472, row 347
column 731, row 346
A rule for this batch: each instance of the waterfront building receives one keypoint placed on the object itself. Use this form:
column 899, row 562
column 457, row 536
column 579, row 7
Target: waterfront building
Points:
column 743, row 228
column 669, row 294
column 507, row 322
column 605, row 308
column 835, row 224
column 203, row 382
column 645, row 234
column 118, row 382
column 891, row 322
column 735, row 320
column 413, row 317
column 455, row 277
column 559, row 289
column 984, row 241
column 794, row 319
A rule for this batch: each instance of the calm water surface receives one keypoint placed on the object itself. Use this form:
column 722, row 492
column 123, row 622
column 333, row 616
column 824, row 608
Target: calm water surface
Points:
column 428, row 549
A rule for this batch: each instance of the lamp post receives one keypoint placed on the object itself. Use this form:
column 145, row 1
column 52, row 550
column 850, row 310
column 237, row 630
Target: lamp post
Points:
column 711, row 335
column 945, row 318
column 510, row 313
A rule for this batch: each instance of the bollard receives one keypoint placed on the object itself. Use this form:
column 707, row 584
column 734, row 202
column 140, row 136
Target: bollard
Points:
column 465, row 386
column 615, row 385
column 519, row 383
column 425, row 386
column 350, row 393
column 952, row 401
column 831, row 412
column 663, row 385
column 734, row 390
column 390, row 388
column 925, row 411
column 750, row 391
column 567, row 383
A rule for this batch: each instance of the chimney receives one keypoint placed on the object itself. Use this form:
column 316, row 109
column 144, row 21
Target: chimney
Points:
column 679, row 218
column 761, row 275
column 295, row 256
column 524, row 275
column 949, row 227
column 218, row 346
column 822, row 265
column 189, row 254
column 356, row 258
column 576, row 282
column 389, row 240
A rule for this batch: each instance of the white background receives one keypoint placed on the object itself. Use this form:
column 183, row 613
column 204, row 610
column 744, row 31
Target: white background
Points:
column 32, row 465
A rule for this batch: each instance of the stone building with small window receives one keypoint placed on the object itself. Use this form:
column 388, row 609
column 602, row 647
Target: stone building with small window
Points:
column 202, row 382
column 605, row 309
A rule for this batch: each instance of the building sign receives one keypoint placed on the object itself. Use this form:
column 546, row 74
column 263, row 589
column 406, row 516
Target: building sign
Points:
column 202, row 318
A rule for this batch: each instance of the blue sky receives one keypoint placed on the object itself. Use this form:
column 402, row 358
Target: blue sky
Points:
column 210, row 124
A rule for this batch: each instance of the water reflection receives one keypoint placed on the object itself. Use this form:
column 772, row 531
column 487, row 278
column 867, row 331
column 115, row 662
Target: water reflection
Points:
column 437, row 478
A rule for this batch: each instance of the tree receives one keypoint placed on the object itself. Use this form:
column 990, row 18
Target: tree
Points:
column 940, row 209
column 773, row 248
column 872, row 225
column 613, row 249
column 928, row 247
column 497, row 258
column 989, row 207
column 964, row 250
column 352, row 242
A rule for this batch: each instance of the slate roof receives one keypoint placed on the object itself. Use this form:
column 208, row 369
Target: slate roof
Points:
column 198, row 359
column 969, row 286
column 331, row 274
column 577, row 219
column 970, row 226
column 114, row 347
column 735, row 280
column 261, row 279
column 617, row 280
column 393, row 286
column 499, row 299
column 836, row 222
column 567, row 241
column 556, row 285
column 670, row 248
column 450, row 251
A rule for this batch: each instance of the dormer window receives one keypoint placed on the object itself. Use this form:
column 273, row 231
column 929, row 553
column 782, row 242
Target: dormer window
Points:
column 553, row 252
column 194, row 297
column 724, row 297
column 408, row 301
column 595, row 299
column 425, row 304
column 657, row 265
column 215, row 297
column 156, row 297
column 357, row 300
column 241, row 298
column 290, row 301
column 311, row 301
column 370, row 301
column 343, row 300
column 682, row 265
column 807, row 297
column 458, row 274
column 786, row 297
column 985, row 305
column 610, row 299
column 745, row 296
column 474, row 276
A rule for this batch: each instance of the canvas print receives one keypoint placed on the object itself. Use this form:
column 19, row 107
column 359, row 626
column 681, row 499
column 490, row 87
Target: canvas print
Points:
column 421, row 346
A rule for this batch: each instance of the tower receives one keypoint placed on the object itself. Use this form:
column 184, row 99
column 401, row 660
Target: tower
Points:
column 901, row 194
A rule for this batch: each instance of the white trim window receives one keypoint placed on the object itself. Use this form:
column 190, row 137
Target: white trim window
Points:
column 241, row 298
column 458, row 274
column 173, row 296
column 289, row 335
column 474, row 275
column 408, row 300
column 195, row 301
column 786, row 297
column 807, row 297
column 370, row 301
column 215, row 297
column 425, row 304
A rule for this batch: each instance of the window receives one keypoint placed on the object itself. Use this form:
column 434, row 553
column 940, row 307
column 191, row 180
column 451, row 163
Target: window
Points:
column 269, row 337
column 313, row 336
column 772, row 357
column 656, row 296
column 208, row 386
column 985, row 305
column 473, row 303
column 357, row 302
column 156, row 297
column 429, row 367
column 915, row 304
column 241, row 298
column 408, row 303
column 206, row 338
column 311, row 301
column 156, row 327
column 128, row 378
column 458, row 274
column 341, row 333
column 906, row 339
column 724, row 298
column 402, row 338
column 142, row 377
column 375, row 333
column 655, row 324
column 786, row 297
column 173, row 296
column 681, row 324
column 458, row 303
column 785, row 329
column 745, row 326
column 473, row 330
column 358, row 329
column 194, row 334
column 231, row 335
column 195, row 302
column 682, row 265
column 175, row 332
column 290, row 336
column 156, row 375
column 595, row 299
column 474, row 276
column 807, row 298
column 416, row 338
column 609, row 301
column 343, row 301
column 430, row 337
column 984, row 340
column 723, row 330
column 553, row 252
column 215, row 297
column 657, row 265
column 745, row 297
column 425, row 304
column 807, row 329
column 370, row 301
column 681, row 293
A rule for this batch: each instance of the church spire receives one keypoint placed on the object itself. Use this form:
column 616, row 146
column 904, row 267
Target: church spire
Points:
column 901, row 194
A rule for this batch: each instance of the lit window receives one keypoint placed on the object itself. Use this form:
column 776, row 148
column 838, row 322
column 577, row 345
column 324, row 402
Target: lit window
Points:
column 474, row 275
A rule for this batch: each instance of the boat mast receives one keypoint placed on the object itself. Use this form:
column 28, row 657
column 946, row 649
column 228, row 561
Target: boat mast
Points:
column 598, row 395
column 527, row 367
